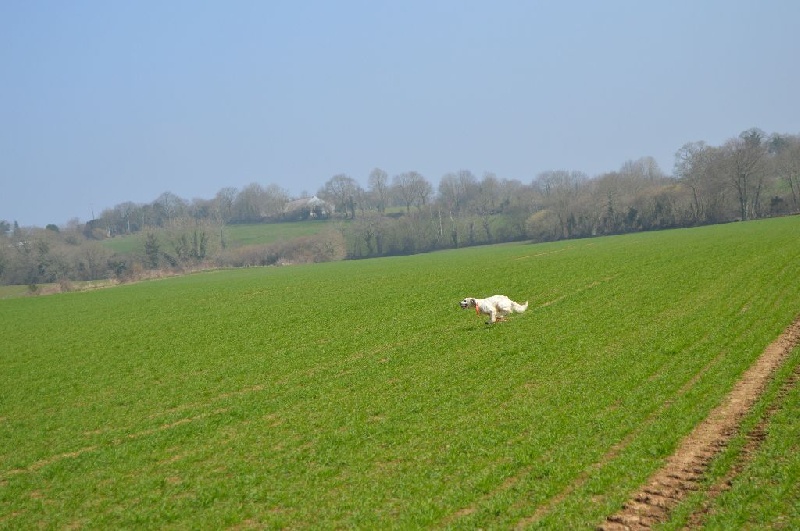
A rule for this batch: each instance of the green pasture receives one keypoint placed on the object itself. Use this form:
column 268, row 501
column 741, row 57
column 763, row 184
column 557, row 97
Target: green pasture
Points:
column 235, row 235
column 266, row 233
column 358, row 394
column 126, row 244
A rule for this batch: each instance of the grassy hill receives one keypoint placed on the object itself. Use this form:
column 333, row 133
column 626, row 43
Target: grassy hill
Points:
column 235, row 235
column 358, row 394
column 263, row 233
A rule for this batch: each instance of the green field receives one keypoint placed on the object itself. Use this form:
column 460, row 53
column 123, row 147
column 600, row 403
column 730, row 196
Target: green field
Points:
column 358, row 394
column 265, row 233
column 125, row 244
column 235, row 235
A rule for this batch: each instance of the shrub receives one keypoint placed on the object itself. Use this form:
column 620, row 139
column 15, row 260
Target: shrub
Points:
column 323, row 247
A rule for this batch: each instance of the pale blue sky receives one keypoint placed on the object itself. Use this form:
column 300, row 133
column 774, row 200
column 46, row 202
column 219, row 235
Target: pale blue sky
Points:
column 103, row 102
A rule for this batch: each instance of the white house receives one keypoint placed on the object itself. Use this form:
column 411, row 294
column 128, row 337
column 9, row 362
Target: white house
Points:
column 308, row 208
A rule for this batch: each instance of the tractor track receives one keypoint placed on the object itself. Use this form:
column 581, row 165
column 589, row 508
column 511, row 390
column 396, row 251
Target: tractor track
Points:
column 684, row 470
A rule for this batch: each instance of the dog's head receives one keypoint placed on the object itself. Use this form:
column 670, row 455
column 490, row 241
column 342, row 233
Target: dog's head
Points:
column 469, row 302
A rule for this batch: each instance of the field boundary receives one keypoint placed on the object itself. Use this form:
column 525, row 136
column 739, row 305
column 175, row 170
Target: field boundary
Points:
column 683, row 471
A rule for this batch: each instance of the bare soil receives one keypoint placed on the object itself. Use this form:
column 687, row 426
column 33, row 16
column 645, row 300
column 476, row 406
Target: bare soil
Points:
column 685, row 469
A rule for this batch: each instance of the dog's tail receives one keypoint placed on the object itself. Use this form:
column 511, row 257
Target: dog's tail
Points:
column 519, row 307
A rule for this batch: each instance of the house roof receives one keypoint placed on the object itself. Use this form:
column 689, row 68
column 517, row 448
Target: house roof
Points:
column 303, row 202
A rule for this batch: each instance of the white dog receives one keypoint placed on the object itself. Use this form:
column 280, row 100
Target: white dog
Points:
column 496, row 307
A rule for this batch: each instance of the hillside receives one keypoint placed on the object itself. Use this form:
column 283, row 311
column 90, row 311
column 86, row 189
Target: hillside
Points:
column 235, row 235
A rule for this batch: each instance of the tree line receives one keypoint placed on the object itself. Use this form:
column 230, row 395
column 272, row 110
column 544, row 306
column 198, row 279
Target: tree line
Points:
column 750, row 176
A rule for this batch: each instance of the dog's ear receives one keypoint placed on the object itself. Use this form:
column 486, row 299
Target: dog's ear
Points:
column 472, row 300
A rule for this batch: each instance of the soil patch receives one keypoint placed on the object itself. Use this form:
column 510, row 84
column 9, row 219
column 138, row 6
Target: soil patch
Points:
column 683, row 470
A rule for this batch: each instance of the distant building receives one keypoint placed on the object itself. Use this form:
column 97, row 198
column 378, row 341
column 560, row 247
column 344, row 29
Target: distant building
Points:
column 308, row 208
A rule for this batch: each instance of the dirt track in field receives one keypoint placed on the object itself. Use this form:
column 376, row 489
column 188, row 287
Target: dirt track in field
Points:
column 684, row 470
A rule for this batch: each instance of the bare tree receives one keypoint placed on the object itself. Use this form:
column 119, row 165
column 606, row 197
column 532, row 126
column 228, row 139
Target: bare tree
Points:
column 128, row 211
column 249, row 205
column 468, row 184
column 517, row 201
column 412, row 189
column 744, row 156
column 256, row 203
column 645, row 168
column 786, row 151
column 613, row 195
column 343, row 191
column 122, row 219
column 689, row 163
column 423, row 190
column 170, row 205
column 275, row 200
column 223, row 204
column 560, row 191
column 200, row 208
column 379, row 188
column 701, row 168
column 488, row 194
column 368, row 231
column 486, row 202
column 192, row 241
column 91, row 263
column 457, row 190
column 449, row 192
